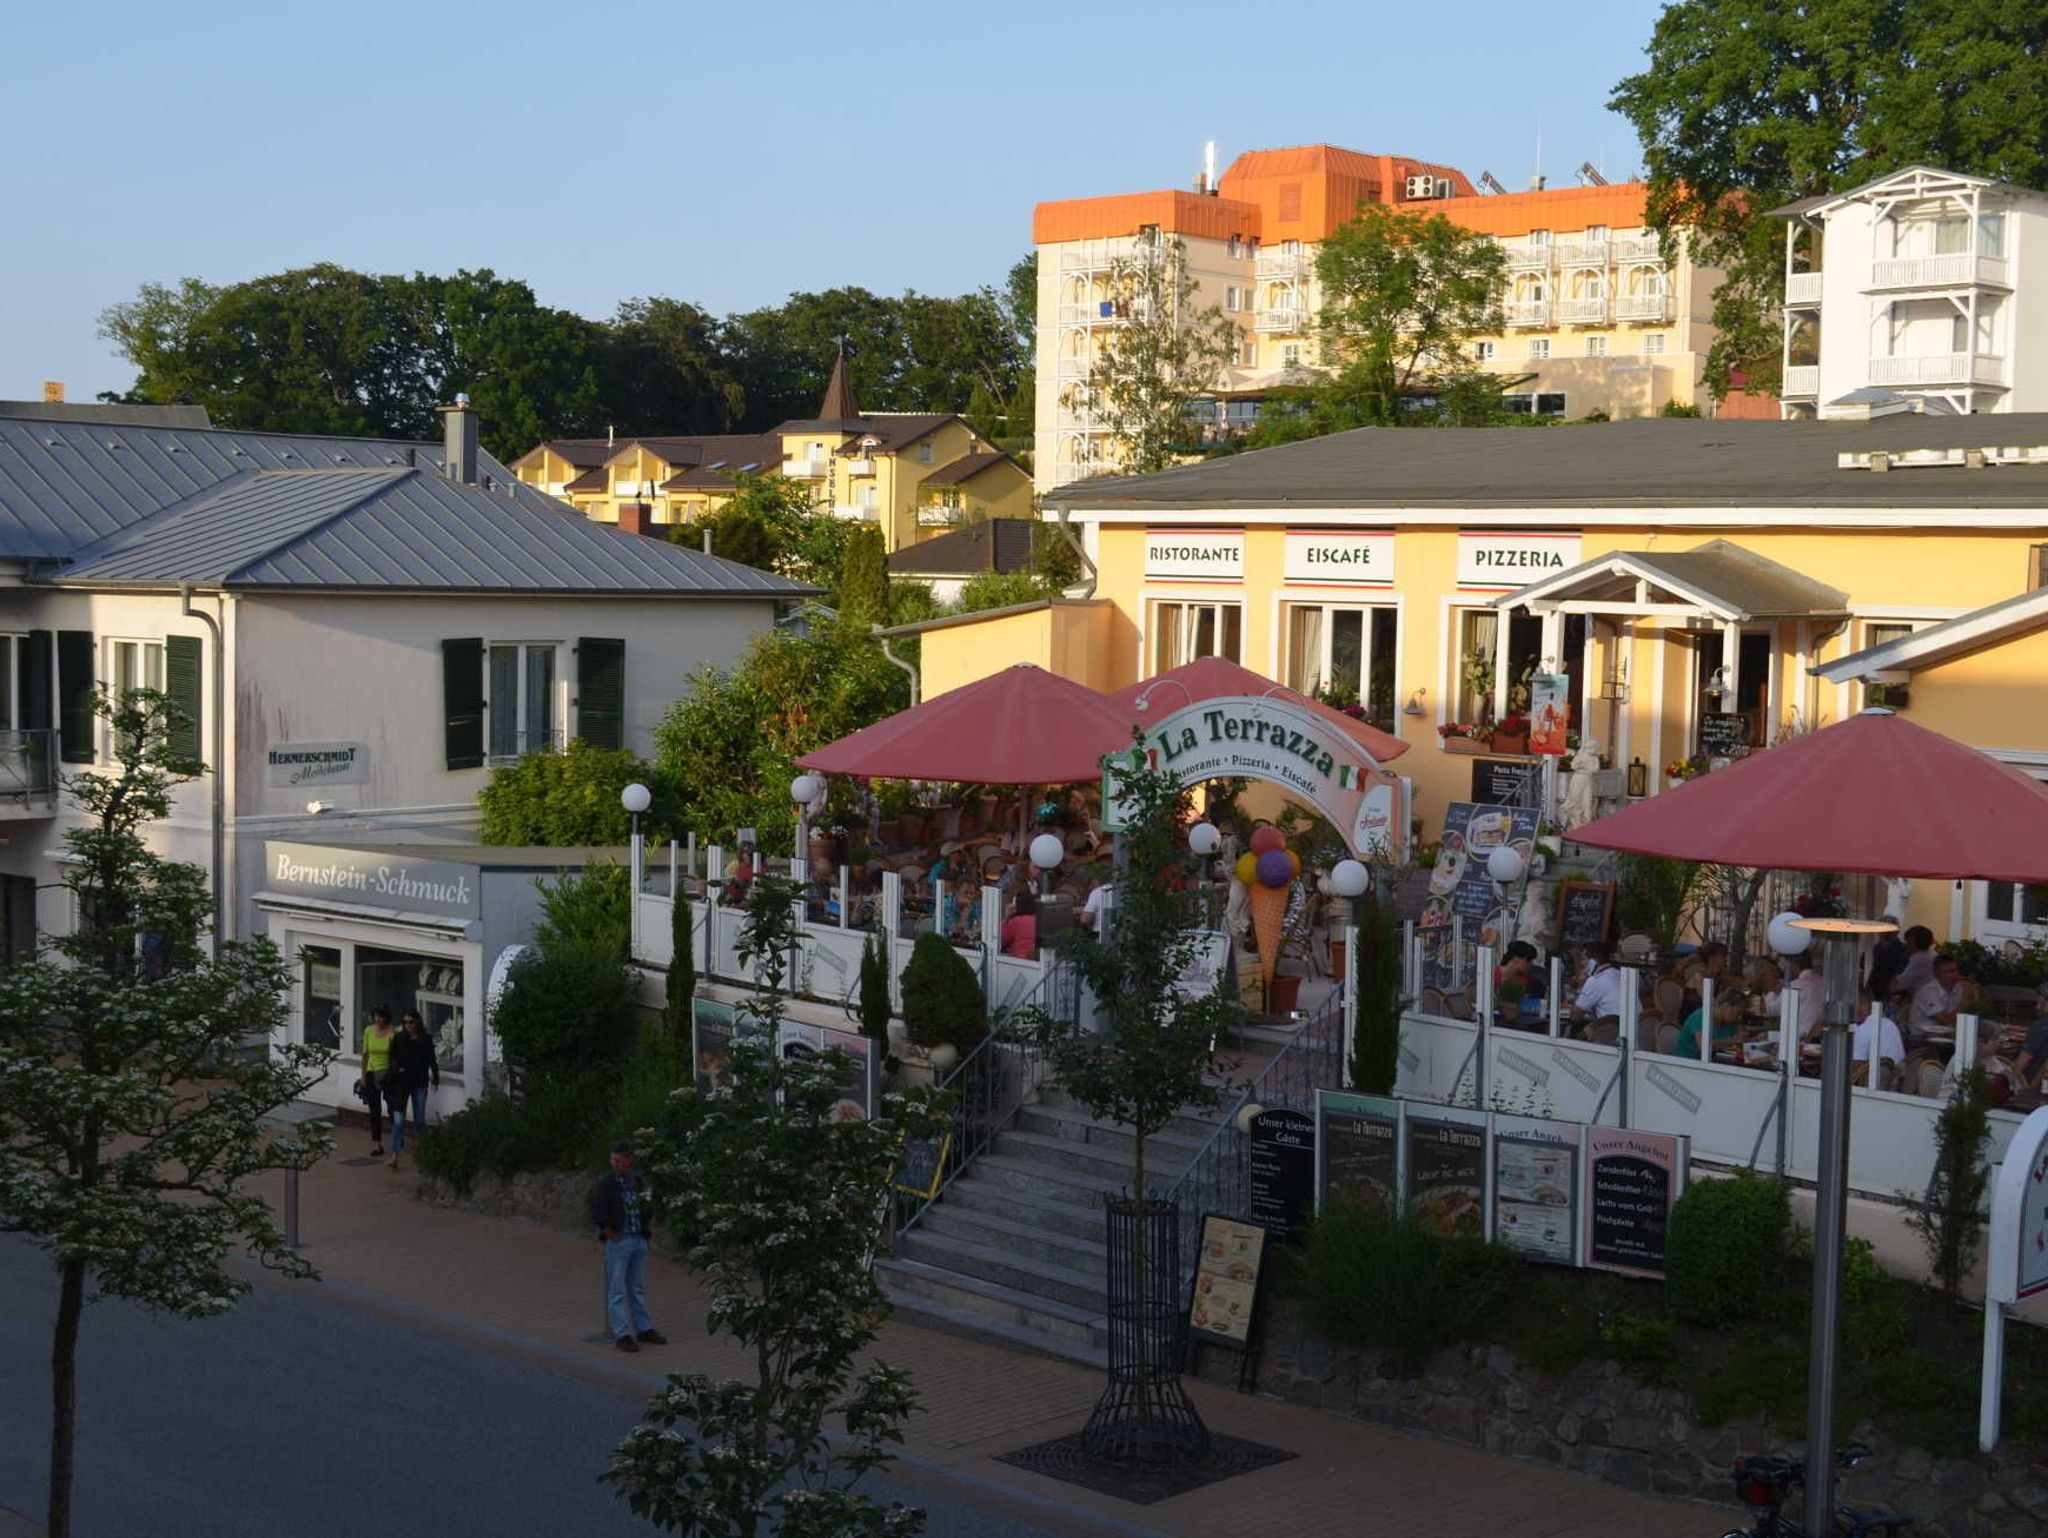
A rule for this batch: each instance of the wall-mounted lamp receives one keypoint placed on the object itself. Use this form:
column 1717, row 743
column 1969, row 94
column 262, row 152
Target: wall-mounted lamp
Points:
column 1638, row 779
column 1414, row 705
column 1717, row 685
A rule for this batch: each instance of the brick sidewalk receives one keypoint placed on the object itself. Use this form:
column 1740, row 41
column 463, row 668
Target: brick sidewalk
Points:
column 540, row 1288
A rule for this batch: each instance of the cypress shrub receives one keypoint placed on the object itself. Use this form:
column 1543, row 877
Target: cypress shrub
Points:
column 942, row 1002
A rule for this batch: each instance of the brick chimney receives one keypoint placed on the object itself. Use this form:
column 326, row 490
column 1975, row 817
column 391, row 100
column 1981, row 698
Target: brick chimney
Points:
column 459, row 441
column 637, row 518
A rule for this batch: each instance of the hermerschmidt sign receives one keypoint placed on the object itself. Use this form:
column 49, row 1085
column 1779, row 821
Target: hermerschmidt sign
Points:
column 373, row 877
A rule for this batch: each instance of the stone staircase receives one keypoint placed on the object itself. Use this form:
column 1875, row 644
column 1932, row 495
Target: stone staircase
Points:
column 1014, row 1251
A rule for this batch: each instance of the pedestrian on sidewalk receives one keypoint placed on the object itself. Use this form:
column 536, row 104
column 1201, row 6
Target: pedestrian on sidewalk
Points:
column 618, row 1206
column 414, row 1065
column 377, row 1038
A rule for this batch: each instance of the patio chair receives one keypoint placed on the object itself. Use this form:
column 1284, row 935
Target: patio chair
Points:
column 1431, row 1001
column 1647, row 1027
column 1605, row 1032
column 1458, row 1004
column 1667, row 1038
column 1927, row 1078
column 1669, row 994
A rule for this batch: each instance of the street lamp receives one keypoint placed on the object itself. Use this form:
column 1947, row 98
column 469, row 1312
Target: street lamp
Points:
column 1506, row 864
column 1204, row 839
column 1348, row 880
column 1841, row 966
column 636, row 798
column 805, row 790
column 1046, row 853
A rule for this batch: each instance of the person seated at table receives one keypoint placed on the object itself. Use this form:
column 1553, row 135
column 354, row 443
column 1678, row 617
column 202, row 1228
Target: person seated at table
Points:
column 1729, row 1006
column 1709, row 961
column 1887, row 960
column 2002, row 1080
column 1764, row 981
column 1513, row 978
column 2033, row 1054
column 1937, row 1002
column 1918, row 970
column 1020, row 929
column 960, row 912
column 1091, row 910
column 950, row 866
column 1599, row 996
column 1876, row 1026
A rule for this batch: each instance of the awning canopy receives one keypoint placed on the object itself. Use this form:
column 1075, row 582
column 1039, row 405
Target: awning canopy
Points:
column 1717, row 580
column 1875, row 795
column 1208, row 678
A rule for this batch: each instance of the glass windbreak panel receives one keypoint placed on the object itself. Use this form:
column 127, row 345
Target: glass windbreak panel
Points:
column 400, row 981
column 320, row 996
column 1347, row 653
column 504, row 709
column 540, row 698
column 1380, row 703
column 1304, row 648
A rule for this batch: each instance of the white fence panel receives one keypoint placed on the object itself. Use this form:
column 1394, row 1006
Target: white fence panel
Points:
column 1721, row 1107
column 828, row 962
column 1533, row 1075
column 1434, row 1052
column 1012, row 980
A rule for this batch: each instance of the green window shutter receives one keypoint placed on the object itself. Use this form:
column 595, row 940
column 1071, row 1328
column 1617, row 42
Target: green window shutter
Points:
column 75, row 684
column 462, row 696
column 38, row 707
column 182, row 654
column 601, row 692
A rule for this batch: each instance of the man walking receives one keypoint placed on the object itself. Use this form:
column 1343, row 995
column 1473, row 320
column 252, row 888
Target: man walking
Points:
column 618, row 1206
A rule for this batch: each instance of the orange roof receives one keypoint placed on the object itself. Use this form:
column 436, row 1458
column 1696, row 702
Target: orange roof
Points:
column 1558, row 209
column 1306, row 192
column 1178, row 213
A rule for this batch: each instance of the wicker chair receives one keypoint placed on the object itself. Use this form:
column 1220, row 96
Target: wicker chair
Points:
column 1667, row 1038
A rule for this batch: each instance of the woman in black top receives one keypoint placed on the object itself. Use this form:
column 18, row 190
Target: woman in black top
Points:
column 414, row 1066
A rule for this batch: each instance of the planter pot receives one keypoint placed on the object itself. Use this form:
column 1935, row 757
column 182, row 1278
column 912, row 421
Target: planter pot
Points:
column 1514, row 745
column 1469, row 745
column 943, row 1057
column 913, row 826
column 1283, row 994
column 889, row 832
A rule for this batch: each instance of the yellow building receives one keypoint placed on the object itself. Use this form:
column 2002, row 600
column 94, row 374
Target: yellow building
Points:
column 914, row 474
column 1686, row 578
column 1595, row 319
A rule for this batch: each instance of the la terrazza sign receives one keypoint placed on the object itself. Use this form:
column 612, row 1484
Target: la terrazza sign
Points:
column 1269, row 738
column 373, row 877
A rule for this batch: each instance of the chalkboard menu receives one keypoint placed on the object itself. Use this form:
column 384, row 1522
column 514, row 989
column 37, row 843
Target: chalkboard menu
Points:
column 1283, row 1172
column 1584, row 910
column 1358, row 1150
column 1631, row 1182
column 1724, row 735
column 1505, row 781
column 1536, row 1187
column 1446, row 1169
column 1226, row 1291
column 922, row 1165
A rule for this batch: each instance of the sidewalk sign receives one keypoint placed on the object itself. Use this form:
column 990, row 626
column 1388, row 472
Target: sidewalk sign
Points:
column 1223, row 1303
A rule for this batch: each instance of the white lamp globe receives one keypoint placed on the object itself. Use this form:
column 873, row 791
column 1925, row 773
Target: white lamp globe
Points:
column 1204, row 838
column 636, row 798
column 1047, row 851
column 1786, row 938
column 1349, row 878
column 1506, row 864
column 805, row 789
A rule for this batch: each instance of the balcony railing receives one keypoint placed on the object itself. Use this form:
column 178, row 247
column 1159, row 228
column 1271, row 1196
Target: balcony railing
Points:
column 1942, row 368
column 1582, row 312
column 1065, row 470
column 28, row 770
column 1642, row 307
column 1285, row 264
column 508, row 747
column 807, row 469
column 1075, row 368
column 861, row 466
column 1802, row 288
column 938, row 515
column 1527, row 312
column 1528, row 256
column 1637, row 248
column 1287, row 319
column 1960, row 270
column 1102, row 255
column 857, row 512
column 1802, row 382
column 1581, row 253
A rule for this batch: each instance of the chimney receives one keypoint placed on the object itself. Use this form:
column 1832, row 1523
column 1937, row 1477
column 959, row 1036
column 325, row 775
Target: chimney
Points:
column 53, row 392
column 636, row 518
column 458, row 430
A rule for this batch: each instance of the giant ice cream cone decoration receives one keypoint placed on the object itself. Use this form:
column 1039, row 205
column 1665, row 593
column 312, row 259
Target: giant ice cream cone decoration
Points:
column 1268, row 872
column 1269, row 912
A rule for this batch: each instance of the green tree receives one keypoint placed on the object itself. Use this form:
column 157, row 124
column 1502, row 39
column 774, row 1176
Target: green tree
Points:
column 1404, row 292
column 863, row 596
column 1949, row 1218
column 1151, row 369
column 1376, row 978
column 567, row 1011
column 1745, row 105
column 783, row 1202
column 873, row 989
column 998, row 590
column 565, row 800
column 682, row 966
column 131, row 1117
column 1055, row 561
column 588, row 907
column 1020, row 301
column 664, row 372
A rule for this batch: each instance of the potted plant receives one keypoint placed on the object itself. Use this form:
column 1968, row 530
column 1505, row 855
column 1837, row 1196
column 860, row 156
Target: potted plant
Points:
column 1679, row 770
column 1464, row 737
column 943, row 1010
column 1511, row 735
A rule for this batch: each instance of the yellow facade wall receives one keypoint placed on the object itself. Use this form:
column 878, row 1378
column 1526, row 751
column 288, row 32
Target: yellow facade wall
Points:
column 1076, row 640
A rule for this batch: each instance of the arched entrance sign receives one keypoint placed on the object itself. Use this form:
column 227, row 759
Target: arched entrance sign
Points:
column 1266, row 737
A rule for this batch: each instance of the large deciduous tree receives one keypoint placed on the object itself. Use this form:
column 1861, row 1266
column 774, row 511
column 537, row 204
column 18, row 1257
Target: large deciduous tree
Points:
column 1746, row 105
column 131, row 1118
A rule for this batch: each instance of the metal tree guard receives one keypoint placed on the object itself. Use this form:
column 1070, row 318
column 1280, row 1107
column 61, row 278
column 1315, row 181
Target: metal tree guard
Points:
column 1145, row 1418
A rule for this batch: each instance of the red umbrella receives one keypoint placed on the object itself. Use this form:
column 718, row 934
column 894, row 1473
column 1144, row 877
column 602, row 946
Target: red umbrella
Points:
column 1021, row 726
column 1207, row 678
column 1874, row 794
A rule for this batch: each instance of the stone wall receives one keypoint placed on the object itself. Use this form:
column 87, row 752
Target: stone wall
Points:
column 1596, row 1420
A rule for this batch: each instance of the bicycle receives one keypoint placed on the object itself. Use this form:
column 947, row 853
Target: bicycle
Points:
column 1765, row 1484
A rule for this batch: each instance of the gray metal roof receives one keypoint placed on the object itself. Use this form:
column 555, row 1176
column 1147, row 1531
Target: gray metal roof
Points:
column 395, row 528
column 1659, row 462
column 108, row 413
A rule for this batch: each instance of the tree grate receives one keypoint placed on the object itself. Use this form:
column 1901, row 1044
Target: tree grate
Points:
column 1067, row 1459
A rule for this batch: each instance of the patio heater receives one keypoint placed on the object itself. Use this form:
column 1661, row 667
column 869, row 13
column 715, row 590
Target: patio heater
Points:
column 1841, row 969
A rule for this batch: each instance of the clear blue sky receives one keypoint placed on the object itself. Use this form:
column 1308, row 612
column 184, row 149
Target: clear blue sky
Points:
column 725, row 154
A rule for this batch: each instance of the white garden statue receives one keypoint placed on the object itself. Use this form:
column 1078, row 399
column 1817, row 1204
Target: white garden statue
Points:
column 1533, row 922
column 1896, row 890
column 1577, row 808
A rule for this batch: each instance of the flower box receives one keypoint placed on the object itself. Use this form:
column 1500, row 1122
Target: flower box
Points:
column 1512, row 744
column 1471, row 745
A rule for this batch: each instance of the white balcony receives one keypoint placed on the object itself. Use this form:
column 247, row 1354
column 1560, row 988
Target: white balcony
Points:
column 1581, row 253
column 1285, row 264
column 1104, row 312
column 1941, row 368
column 1582, row 312
column 938, row 515
column 1961, row 270
column 1802, row 382
column 28, row 773
column 1525, row 255
column 1642, row 307
column 1526, row 312
column 1078, row 470
column 807, row 469
column 1287, row 320
column 1637, row 248
column 857, row 512
column 1074, row 368
column 1802, row 288
column 1099, row 255
column 861, row 466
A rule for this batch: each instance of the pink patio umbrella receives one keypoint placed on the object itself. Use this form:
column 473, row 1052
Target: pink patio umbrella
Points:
column 1207, row 678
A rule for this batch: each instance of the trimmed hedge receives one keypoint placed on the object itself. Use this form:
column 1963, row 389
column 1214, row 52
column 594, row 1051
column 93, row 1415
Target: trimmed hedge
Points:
column 1372, row 1278
column 942, row 1002
column 1725, row 1255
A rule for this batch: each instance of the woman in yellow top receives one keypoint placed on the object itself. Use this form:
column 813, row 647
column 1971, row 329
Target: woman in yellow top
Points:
column 377, row 1038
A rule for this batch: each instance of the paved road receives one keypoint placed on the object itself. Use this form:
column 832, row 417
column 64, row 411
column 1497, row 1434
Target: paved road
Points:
column 313, row 1413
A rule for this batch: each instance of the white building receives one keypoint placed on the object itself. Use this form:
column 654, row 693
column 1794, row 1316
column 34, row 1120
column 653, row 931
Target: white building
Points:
column 1924, row 290
column 357, row 630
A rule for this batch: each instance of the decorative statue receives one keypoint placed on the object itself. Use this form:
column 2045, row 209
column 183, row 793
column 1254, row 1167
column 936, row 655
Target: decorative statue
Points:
column 1533, row 922
column 1577, row 809
column 1896, row 890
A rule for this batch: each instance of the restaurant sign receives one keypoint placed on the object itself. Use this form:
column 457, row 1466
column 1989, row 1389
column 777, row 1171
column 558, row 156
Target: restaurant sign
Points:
column 1194, row 555
column 373, row 877
column 1500, row 562
column 292, row 764
column 1265, row 737
column 1340, row 558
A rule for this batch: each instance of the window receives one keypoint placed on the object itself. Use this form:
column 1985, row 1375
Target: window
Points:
column 1484, row 352
column 1181, row 632
column 132, row 665
column 1248, row 351
column 1233, row 297
column 1882, row 633
column 1539, row 240
column 1596, row 346
column 1991, row 234
column 1539, row 347
column 1546, row 403
column 1290, row 354
column 1595, row 234
column 1478, row 633
column 2014, row 909
column 924, row 453
column 1346, row 653
column 1951, row 235
column 1653, row 343
column 2037, row 567
column 520, row 707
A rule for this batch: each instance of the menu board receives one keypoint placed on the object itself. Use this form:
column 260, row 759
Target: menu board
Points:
column 1724, row 735
column 1583, row 911
column 1445, row 1169
column 922, row 1165
column 1505, row 781
column 1631, row 1182
column 1226, row 1291
column 860, row 1088
column 1283, row 1172
column 1536, row 1187
column 1358, row 1149
column 1459, row 884
column 713, row 1024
